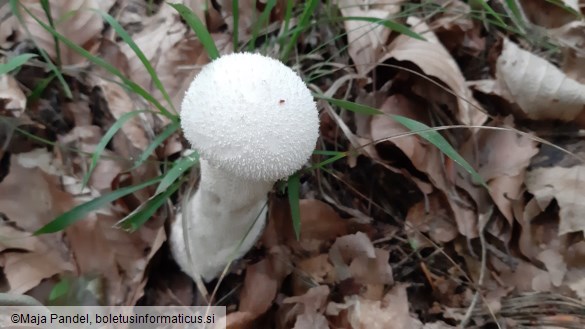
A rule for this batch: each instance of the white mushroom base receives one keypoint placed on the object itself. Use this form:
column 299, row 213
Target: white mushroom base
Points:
column 223, row 211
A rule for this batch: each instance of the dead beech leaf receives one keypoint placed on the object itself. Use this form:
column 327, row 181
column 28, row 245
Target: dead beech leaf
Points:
column 262, row 282
column 436, row 221
column 12, row 95
column 239, row 320
column 366, row 40
column 354, row 256
column 572, row 37
column 566, row 186
column 555, row 265
column 539, row 88
column 100, row 249
column 434, row 60
column 549, row 14
column 320, row 221
column 120, row 103
column 173, row 51
column 424, row 156
column 501, row 158
column 389, row 313
column 309, row 308
column 73, row 19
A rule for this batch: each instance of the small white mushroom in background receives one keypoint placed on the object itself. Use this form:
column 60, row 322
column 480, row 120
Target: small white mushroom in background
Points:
column 253, row 121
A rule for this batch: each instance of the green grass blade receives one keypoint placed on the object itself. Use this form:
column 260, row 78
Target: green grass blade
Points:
column 441, row 143
column 168, row 131
column 327, row 153
column 99, row 149
column 294, row 191
column 236, row 22
column 262, row 20
column 180, row 167
column 64, row 220
column 128, row 40
column 37, row 91
column 199, row 29
column 59, row 290
column 394, row 26
column 15, row 62
column 332, row 159
column 490, row 11
column 351, row 106
column 304, row 22
column 287, row 18
column 144, row 212
column 108, row 67
column 47, row 9
column 419, row 128
column 14, row 5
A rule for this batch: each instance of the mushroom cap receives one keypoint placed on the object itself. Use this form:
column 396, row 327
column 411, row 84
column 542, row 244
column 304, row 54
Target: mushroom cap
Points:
column 251, row 116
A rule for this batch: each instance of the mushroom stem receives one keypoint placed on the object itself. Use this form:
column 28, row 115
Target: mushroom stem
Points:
column 223, row 210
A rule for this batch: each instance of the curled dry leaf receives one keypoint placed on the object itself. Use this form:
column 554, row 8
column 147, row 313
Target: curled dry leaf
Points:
column 389, row 313
column 354, row 256
column 173, row 51
column 73, row 19
column 12, row 96
column 263, row 281
column 434, row 220
column 572, row 37
column 434, row 60
column 309, row 308
column 539, row 88
column 366, row 40
column 566, row 186
column 550, row 14
column 45, row 256
column 9, row 31
column 501, row 158
column 424, row 156
column 120, row 103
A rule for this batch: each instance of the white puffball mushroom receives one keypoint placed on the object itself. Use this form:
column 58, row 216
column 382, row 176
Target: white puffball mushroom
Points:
column 253, row 121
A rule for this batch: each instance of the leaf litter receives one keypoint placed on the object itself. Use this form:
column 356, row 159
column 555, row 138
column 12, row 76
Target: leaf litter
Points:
column 396, row 235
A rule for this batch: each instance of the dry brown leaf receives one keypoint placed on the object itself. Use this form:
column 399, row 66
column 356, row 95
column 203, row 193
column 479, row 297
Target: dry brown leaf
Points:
column 366, row 40
column 434, row 60
column 118, row 256
column 173, row 51
column 239, row 320
column 317, row 268
column 119, row 104
column 262, row 282
column 12, row 95
column 500, row 158
column 354, row 256
column 73, row 19
column 566, row 186
column 320, row 221
column 555, row 265
column 389, row 313
column 423, row 155
column 9, row 31
column 309, row 307
column 432, row 217
column 456, row 28
column 572, row 37
column 525, row 277
column 548, row 14
column 539, row 88
column 25, row 271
